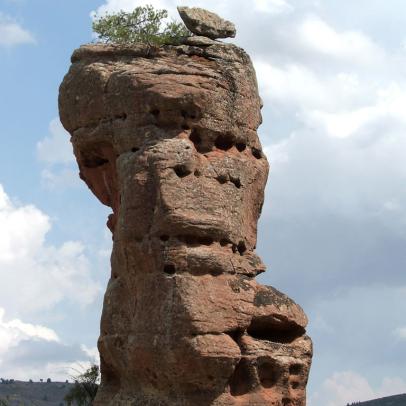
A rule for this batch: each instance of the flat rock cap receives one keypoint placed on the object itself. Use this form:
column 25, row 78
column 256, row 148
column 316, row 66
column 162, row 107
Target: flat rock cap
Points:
column 205, row 23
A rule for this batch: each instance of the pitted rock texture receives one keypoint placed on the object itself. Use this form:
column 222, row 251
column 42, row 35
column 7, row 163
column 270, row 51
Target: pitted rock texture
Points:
column 206, row 23
column 167, row 138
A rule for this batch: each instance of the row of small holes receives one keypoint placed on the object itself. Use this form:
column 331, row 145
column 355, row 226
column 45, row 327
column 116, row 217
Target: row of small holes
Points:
column 193, row 240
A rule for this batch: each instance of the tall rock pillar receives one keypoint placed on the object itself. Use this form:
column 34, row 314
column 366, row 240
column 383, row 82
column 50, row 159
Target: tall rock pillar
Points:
column 167, row 138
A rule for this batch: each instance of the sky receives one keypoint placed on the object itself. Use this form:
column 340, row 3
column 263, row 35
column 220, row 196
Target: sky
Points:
column 332, row 75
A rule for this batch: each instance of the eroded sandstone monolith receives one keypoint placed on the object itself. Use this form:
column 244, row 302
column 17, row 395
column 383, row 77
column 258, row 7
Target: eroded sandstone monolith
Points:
column 167, row 138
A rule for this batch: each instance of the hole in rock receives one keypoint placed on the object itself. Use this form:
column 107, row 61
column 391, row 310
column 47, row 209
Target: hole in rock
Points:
column 155, row 112
column 185, row 127
column 287, row 402
column 224, row 142
column 121, row 116
column 295, row 369
column 235, row 334
column 195, row 138
column 236, row 182
column 257, row 153
column 94, row 161
column 224, row 242
column 182, row 171
column 164, row 237
column 170, row 269
column 242, row 380
column 184, row 113
column 135, row 149
column 205, row 240
column 234, row 248
column 197, row 173
column 262, row 328
column 295, row 385
column 241, row 247
column 241, row 146
column 268, row 373
column 189, row 239
column 222, row 179
column 215, row 272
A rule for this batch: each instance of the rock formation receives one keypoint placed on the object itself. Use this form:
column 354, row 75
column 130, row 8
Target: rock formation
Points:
column 205, row 23
column 167, row 138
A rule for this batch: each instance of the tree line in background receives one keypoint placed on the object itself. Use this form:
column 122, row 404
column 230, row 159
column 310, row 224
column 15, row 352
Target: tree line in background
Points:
column 82, row 393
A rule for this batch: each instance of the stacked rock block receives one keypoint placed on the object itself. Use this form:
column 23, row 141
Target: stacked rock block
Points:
column 167, row 138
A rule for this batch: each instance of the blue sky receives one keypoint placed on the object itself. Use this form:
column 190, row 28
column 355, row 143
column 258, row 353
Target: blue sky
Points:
column 332, row 233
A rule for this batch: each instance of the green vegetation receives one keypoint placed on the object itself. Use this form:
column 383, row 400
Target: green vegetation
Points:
column 396, row 400
column 142, row 25
column 85, row 388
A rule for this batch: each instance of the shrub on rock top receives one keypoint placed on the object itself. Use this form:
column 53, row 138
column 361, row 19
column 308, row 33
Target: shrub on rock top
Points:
column 142, row 25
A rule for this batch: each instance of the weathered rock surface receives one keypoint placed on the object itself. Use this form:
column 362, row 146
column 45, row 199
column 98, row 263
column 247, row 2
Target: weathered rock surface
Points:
column 167, row 138
column 205, row 23
column 199, row 41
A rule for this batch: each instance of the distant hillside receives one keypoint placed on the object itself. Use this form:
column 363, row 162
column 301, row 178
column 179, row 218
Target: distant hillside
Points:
column 397, row 400
column 20, row 393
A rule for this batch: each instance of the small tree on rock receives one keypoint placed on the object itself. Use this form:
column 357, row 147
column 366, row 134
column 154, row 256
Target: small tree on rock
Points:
column 142, row 25
column 85, row 388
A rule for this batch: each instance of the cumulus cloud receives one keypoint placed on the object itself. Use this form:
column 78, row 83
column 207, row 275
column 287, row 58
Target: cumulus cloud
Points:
column 31, row 351
column 37, row 275
column 62, row 178
column 14, row 331
column 36, row 359
column 12, row 34
column 348, row 386
column 55, row 148
column 55, row 152
column 273, row 6
column 128, row 5
column 317, row 36
column 224, row 8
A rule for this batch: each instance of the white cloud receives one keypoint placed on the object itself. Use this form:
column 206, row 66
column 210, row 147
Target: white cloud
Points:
column 129, row 5
column 14, row 331
column 400, row 333
column 52, row 179
column 272, row 6
column 352, row 46
column 37, row 275
column 55, row 148
column 12, row 34
column 92, row 353
column 20, row 340
column 386, row 106
column 56, row 153
column 347, row 387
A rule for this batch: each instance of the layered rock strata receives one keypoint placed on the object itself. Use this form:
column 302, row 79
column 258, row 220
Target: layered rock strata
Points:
column 167, row 138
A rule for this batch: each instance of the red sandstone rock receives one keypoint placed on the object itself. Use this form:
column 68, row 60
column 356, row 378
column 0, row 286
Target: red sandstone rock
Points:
column 167, row 138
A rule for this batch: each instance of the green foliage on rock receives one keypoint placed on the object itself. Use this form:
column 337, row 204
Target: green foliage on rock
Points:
column 142, row 25
column 85, row 388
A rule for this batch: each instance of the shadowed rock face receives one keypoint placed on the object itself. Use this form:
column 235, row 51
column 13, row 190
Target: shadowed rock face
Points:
column 167, row 138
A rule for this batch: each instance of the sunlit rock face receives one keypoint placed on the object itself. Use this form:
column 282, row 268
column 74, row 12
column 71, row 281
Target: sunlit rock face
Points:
column 167, row 138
